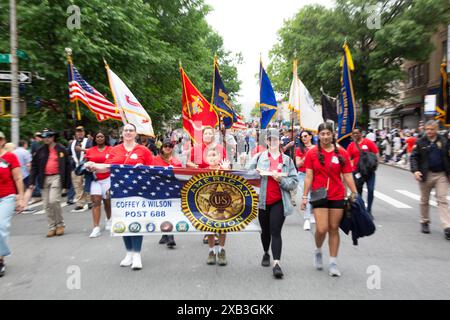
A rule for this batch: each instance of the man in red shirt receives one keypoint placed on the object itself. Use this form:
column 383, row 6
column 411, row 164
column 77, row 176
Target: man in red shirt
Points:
column 354, row 150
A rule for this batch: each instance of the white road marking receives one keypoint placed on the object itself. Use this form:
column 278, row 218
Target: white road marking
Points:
column 390, row 200
column 415, row 196
column 43, row 211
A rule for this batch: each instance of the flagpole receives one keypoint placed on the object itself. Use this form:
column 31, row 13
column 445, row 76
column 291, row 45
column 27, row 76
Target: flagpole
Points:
column 69, row 60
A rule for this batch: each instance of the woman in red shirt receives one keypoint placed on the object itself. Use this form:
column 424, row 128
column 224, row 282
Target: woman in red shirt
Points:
column 199, row 152
column 166, row 159
column 99, row 187
column 132, row 153
column 324, row 166
column 300, row 153
column 11, row 197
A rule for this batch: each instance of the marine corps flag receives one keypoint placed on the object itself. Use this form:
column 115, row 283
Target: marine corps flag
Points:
column 267, row 101
column 196, row 110
column 347, row 105
column 220, row 99
column 444, row 101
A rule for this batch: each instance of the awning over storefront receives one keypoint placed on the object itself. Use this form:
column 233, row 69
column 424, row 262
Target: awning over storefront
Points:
column 387, row 112
column 408, row 110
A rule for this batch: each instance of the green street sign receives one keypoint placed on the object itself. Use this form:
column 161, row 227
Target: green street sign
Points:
column 22, row 54
column 5, row 58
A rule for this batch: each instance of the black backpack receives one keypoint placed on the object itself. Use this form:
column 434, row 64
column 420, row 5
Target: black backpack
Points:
column 368, row 162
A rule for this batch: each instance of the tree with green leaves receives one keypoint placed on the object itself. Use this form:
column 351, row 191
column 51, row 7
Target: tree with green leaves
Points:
column 316, row 34
column 142, row 41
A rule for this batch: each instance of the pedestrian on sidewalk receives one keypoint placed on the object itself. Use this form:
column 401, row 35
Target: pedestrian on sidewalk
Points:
column 100, row 183
column 130, row 153
column 11, row 197
column 25, row 159
column 279, row 178
column 51, row 168
column 324, row 166
column 167, row 159
column 363, row 171
column 430, row 163
column 300, row 154
column 77, row 151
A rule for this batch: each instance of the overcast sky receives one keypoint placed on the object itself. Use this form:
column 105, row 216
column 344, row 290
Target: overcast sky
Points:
column 250, row 27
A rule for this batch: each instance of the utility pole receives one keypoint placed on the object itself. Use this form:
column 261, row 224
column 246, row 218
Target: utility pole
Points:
column 14, row 75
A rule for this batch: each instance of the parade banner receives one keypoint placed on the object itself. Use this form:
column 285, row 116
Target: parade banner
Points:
column 164, row 200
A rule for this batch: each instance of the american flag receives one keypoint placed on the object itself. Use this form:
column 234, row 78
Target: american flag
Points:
column 159, row 182
column 79, row 89
column 239, row 124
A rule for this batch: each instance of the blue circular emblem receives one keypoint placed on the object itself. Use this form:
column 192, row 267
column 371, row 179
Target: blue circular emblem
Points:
column 134, row 227
column 219, row 202
column 150, row 227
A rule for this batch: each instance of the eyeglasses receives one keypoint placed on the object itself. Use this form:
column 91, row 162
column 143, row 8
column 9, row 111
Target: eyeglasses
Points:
column 167, row 146
column 128, row 130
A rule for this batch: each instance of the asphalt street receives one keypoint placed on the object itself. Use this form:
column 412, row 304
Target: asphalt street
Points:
column 397, row 262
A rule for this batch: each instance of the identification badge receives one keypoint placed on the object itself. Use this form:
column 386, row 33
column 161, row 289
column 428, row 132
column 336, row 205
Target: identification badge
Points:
column 133, row 156
column 358, row 175
column 335, row 160
column 364, row 147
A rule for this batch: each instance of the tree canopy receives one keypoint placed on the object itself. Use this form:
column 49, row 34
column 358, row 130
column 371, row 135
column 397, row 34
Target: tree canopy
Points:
column 142, row 41
column 316, row 34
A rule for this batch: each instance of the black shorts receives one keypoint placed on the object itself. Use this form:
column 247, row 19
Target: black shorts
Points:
column 332, row 204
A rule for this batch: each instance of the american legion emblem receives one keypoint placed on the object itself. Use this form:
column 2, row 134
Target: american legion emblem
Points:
column 219, row 202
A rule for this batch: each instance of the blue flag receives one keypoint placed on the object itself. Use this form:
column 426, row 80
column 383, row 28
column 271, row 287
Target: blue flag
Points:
column 267, row 101
column 347, row 105
column 220, row 99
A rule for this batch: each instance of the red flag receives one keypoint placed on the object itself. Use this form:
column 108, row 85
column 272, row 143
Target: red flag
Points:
column 197, row 112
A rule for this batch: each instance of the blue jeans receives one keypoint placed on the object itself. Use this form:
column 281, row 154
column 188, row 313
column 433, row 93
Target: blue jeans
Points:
column 133, row 243
column 301, row 185
column 7, row 207
column 370, row 181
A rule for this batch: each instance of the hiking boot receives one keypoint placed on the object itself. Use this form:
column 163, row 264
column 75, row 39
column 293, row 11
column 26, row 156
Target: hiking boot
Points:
column 447, row 233
column 59, row 231
column 222, row 258
column 211, row 258
column 425, row 227
column 277, row 273
column 51, row 233
column 265, row 260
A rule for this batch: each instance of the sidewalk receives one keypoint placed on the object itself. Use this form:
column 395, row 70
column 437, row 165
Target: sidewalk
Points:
column 400, row 166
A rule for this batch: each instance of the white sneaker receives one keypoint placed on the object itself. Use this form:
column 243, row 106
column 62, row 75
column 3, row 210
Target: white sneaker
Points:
column 307, row 225
column 333, row 271
column 108, row 224
column 137, row 263
column 318, row 260
column 312, row 219
column 96, row 232
column 128, row 260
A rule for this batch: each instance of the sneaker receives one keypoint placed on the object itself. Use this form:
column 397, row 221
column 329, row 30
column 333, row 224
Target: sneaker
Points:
column 333, row 270
column 425, row 227
column 70, row 202
column 447, row 233
column 171, row 242
column 79, row 209
column 307, row 225
column 222, row 258
column 59, row 231
column 277, row 273
column 51, row 233
column 211, row 258
column 137, row 263
column 2, row 268
column 108, row 224
column 128, row 260
column 318, row 264
column 96, row 232
column 163, row 239
column 266, row 260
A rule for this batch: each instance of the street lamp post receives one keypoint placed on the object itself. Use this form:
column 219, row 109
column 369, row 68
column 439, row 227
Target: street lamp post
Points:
column 14, row 75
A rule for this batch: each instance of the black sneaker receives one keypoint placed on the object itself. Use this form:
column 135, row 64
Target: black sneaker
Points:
column 2, row 269
column 171, row 242
column 164, row 239
column 447, row 233
column 70, row 202
column 266, row 260
column 425, row 227
column 277, row 273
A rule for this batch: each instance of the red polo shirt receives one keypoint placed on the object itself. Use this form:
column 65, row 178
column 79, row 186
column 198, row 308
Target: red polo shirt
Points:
column 365, row 145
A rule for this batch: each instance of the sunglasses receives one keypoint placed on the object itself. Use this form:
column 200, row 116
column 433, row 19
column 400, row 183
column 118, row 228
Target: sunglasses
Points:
column 167, row 146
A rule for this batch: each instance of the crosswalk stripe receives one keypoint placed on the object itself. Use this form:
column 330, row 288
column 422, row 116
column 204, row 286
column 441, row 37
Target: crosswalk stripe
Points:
column 415, row 196
column 43, row 211
column 36, row 204
column 390, row 200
